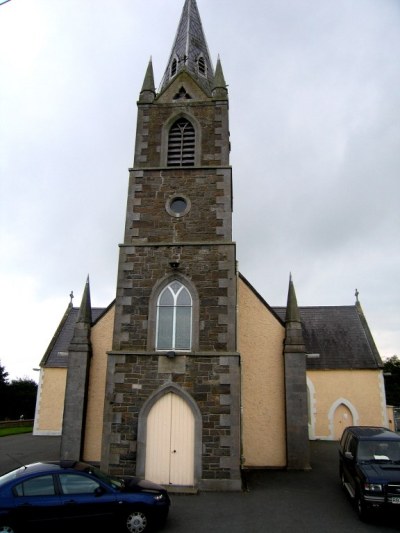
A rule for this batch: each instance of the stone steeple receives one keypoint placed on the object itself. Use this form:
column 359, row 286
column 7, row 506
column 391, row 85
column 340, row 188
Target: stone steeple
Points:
column 190, row 51
column 178, row 241
column 220, row 89
column 148, row 92
column 85, row 310
column 297, row 443
column 294, row 337
column 79, row 355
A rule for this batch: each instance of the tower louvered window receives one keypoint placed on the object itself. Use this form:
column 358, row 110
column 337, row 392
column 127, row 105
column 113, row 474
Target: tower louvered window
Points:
column 202, row 66
column 181, row 144
column 174, row 67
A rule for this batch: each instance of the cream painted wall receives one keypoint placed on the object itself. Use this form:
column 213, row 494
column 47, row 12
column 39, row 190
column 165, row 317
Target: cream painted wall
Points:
column 260, row 339
column 50, row 401
column 339, row 398
column 101, row 337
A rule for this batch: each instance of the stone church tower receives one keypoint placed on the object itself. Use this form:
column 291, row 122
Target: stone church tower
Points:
column 172, row 407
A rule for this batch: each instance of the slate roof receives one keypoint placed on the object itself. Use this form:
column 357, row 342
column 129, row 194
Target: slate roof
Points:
column 190, row 43
column 56, row 355
column 340, row 335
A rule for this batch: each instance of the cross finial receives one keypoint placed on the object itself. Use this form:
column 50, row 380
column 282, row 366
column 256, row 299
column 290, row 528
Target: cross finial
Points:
column 357, row 293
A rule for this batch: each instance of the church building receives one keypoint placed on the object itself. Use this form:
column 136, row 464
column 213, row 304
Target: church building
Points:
column 189, row 376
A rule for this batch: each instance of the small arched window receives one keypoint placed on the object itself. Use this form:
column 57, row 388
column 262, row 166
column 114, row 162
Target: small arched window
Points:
column 174, row 318
column 181, row 144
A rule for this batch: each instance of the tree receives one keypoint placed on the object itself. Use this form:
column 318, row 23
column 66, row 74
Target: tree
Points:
column 22, row 398
column 16, row 398
column 3, row 376
column 3, row 391
column 391, row 371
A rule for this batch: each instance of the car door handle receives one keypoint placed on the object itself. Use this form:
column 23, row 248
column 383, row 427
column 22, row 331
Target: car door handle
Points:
column 70, row 502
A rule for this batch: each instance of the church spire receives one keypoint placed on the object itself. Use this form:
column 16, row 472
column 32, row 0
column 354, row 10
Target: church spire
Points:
column 220, row 89
column 148, row 92
column 85, row 310
column 297, row 445
column 292, row 310
column 190, row 51
column 294, row 341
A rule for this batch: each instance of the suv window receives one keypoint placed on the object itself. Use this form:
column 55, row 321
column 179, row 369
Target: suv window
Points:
column 351, row 445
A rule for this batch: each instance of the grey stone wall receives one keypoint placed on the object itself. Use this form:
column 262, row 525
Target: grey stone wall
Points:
column 200, row 243
column 211, row 381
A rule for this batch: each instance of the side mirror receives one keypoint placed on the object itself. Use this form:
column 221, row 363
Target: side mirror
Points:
column 99, row 491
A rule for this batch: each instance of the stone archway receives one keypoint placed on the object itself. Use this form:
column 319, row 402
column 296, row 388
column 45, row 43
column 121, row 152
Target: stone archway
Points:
column 341, row 415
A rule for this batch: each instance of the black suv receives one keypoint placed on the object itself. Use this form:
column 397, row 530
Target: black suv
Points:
column 369, row 466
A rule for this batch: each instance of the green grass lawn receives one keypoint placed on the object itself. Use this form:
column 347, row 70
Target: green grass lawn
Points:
column 15, row 431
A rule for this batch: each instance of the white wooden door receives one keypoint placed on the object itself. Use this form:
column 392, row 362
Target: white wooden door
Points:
column 170, row 442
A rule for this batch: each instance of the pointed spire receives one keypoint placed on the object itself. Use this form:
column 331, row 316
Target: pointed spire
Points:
column 294, row 340
column 190, row 50
column 219, row 87
column 297, row 443
column 85, row 310
column 292, row 310
column 148, row 92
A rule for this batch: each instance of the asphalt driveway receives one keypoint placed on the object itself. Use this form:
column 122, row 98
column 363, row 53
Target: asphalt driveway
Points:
column 273, row 501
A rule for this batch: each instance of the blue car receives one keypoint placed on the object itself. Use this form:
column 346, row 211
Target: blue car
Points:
column 69, row 493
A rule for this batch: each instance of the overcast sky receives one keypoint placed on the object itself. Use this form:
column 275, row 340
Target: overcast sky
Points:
column 315, row 131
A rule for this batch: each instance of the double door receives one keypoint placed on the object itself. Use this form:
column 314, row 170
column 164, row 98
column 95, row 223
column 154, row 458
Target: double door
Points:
column 170, row 442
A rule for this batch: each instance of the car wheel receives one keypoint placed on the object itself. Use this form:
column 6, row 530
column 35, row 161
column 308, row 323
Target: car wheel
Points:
column 342, row 478
column 362, row 510
column 137, row 522
column 7, row 529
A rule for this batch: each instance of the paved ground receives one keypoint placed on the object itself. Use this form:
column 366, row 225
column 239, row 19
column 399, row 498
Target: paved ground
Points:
column 274, row 501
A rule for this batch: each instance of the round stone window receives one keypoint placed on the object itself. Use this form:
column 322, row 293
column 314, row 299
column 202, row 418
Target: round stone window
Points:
column 178, row 206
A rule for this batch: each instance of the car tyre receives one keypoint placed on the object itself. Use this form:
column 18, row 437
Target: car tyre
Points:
column 362, row 511
column 4, row 528
column 137, row 521
column 342, row 478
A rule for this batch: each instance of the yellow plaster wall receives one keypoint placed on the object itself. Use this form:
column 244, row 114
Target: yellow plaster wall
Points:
column 360, row 393
column 260, row 339
column 50, row 401
column 101, row 337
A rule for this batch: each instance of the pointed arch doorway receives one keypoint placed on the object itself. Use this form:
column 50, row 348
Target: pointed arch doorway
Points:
column 170, row 442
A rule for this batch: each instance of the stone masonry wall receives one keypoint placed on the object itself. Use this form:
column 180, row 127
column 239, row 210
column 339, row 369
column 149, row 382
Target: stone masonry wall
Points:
column 210, row 269
column 208, row 380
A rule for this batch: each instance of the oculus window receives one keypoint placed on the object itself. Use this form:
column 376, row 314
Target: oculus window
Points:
column 174, row 318
column 178, row 206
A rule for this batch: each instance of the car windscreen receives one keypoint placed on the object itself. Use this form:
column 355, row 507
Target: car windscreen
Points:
column 115, row 482
column 378, row 451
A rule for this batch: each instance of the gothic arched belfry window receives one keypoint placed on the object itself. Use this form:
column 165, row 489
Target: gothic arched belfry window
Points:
column 181, row 144
column 174, row 318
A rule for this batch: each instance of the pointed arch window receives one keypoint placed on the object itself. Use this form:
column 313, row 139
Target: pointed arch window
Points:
column 174, row 67
column 174, row 318
column 181, row 144
column 202, row 66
